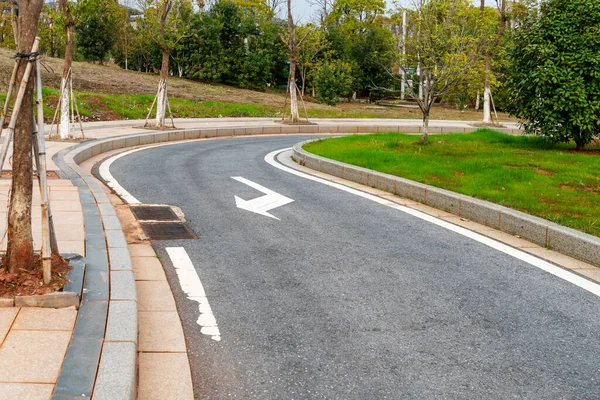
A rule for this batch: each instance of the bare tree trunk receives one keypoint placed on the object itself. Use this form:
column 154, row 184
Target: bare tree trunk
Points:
column 425, row 134
column 161, row 103
column 295, row 115
column 19, row 254
column 487, row 110
column 65, row 106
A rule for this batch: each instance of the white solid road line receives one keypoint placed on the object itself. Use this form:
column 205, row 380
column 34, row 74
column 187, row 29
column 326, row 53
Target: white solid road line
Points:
column 261, row 205
column 583, row 283
column 192, row 287
column 110, row 180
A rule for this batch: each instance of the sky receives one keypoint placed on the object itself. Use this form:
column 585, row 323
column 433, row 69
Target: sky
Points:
column 303, row 12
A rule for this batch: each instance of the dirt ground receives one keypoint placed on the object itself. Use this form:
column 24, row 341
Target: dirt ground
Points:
column 111, row 79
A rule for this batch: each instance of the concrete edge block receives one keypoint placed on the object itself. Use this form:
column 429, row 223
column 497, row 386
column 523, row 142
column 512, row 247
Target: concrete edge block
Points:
column 117, row 378
column 176, row 136
column 191, row 134
column 328, row 129
column 308, row 129
column 312, row 163
column 443, row 200
column 527, row 226
column 480, row 211
column 122, row 286
column 132, row 141
column 368, row 129
column 119, row 143
column 290, row 129
column 574, row 243
column 269, row 130
column 160, row 137
column 382, row 182
column 254, row 131
column 225, row 132
column 146, row 139
column 358, row 175
column 410, row 190
column 332, row 168
column 51, row 300
column 122, row 324
column 239, row 132
column 348, row 129
column 206, row 133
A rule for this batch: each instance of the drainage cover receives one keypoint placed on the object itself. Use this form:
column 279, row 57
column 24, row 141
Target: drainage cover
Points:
column 154, row 213
column 167, row 230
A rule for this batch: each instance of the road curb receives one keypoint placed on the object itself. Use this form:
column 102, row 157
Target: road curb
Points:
column 110, row 366
column 537, row 230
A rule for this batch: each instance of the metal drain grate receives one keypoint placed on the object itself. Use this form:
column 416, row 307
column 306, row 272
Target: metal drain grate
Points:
column 167, row 230
column 154, row 213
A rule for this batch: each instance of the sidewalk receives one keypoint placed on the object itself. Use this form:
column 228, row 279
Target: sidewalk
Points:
column 131, row 330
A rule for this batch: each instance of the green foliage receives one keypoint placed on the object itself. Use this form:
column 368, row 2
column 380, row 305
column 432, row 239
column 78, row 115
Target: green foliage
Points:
column 234, row 46
column 332, row 79
column 51, row 30
column 96, row 28
column 358, row 37
column 523, row 172
column 555, row 71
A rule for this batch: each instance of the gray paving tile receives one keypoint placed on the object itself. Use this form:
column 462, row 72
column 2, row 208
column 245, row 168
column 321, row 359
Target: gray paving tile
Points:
column 115, row 238
column 111, row 222
column 94, row 241
column 122, row 285
column 95, row 286
column 75, row 276
column 122, row 323
column 117, row 373
column 91, row 320
column 120, row 259
column 79, row 368
column 96, row 260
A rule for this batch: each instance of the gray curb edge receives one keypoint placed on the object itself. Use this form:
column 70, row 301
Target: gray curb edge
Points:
column 105, row 368
column 537, row 230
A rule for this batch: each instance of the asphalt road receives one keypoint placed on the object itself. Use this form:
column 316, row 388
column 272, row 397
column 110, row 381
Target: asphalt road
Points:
column 344, row 298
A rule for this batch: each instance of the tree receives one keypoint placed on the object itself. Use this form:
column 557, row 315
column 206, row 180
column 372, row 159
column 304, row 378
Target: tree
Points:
column 96, row 28
column 19, row 252
column 332, row 78
column 167, row 28
column 355, row 29
column 66, row 82
column 293, row 45
column 442, row 46
column 312, row 52
column 554, row 69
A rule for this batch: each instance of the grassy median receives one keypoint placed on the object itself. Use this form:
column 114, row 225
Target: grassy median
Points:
column 525, row 173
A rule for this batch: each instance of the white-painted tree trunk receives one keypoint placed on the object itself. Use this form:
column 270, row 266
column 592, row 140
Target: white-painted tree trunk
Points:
column 477, row 101
column 161, row 103
column 64, row 128
column 487, row 110
column 295, row 115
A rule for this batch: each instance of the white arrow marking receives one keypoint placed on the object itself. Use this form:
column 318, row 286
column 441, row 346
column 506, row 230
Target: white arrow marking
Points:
column 261, row 205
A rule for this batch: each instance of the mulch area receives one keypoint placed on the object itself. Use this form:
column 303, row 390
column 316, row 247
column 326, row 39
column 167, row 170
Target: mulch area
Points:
column 31, row 282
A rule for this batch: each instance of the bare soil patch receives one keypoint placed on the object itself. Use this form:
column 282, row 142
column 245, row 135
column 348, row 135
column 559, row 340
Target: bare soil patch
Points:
column 28, row 283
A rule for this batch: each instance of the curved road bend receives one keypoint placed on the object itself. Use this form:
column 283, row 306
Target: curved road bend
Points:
column 343, row 298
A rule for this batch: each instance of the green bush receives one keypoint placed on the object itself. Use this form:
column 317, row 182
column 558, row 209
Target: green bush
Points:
column 331, row 79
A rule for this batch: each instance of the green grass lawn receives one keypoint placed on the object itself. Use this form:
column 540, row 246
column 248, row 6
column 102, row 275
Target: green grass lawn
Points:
column 525, row 173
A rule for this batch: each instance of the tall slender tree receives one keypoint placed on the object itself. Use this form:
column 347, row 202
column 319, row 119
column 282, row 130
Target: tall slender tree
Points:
column 19, row 253
column 66, row 82
column 292, row 44
column 164, row 23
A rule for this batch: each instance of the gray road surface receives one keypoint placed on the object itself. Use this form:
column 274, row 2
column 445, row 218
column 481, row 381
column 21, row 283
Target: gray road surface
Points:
column 344, row 298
